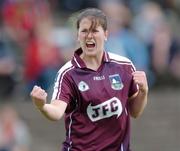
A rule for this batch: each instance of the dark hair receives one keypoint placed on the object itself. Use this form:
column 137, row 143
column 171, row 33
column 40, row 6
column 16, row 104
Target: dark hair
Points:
column 95, row 15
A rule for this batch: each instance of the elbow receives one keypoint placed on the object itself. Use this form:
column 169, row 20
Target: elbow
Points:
column 54, row 118
column 136, row 110
column 58, row 116
column 135, row 114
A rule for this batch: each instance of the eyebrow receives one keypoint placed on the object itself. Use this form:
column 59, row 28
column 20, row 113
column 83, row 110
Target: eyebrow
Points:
column 90, row 29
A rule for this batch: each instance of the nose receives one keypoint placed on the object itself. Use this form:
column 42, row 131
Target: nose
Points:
column 89, row 35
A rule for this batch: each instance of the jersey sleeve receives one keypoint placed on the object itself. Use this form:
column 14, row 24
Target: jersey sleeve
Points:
column 133, row 86
column 63, row 89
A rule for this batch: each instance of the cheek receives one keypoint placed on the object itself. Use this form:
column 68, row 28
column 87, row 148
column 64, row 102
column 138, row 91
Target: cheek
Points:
column 100, row 40
column 81, row 40
column 80, row 37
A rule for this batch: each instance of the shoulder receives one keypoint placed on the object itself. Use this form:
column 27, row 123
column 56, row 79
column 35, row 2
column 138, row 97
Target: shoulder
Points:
column 66, row 67
column 62, row 73
column 120, row 59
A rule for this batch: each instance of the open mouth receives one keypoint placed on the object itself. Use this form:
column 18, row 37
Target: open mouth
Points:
column 90, row 45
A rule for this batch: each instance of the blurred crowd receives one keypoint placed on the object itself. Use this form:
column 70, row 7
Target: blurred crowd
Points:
column 14, row 133
column 38, row 36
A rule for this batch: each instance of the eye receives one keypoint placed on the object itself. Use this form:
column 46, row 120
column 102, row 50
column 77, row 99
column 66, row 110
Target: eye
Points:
column 95, row 30
column 84, row 31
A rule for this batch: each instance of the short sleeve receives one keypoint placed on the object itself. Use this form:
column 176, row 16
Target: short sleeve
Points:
column 63, row 87
column 133, row 86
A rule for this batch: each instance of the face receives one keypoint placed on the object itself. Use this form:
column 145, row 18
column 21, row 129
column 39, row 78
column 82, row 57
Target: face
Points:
column 91, row 41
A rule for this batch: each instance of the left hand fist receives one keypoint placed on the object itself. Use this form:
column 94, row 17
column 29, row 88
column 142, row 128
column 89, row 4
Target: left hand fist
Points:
column 139, row 78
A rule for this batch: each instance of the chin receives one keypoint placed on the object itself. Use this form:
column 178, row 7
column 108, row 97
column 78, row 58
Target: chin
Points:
column 91, row 52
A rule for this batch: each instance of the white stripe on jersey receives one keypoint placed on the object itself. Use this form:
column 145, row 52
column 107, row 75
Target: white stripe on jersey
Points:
column 118, row 57
column 69, row 134
column 122, row 148
column 120, row 60
column 126, row 111
column 77, row 62
column 70, row 127
column 57, row 86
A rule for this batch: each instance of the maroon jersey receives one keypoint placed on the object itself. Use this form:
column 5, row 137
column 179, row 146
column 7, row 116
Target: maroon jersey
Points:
column 97, row 116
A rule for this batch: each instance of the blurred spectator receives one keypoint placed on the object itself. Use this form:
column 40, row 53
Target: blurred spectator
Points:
column 29, row 23
column 171, row 9
column 14, row 134
column 42, row 59
column 146, row 20
column 20, row 17
column 7, row 66
column 64, row 38
column 122, row 40
column 164, row 47
column 71, row 6
column 172, row 5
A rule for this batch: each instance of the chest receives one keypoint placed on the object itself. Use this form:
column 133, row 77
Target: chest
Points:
column 97, row 87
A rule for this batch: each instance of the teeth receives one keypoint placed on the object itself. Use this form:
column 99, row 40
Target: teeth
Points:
column 89, row 42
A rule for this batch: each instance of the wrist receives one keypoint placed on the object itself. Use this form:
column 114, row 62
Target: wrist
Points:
column 143, row 91
column 40, row 108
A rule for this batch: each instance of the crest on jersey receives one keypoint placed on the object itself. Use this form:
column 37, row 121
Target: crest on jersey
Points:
column 116, row 82
column 82, row 86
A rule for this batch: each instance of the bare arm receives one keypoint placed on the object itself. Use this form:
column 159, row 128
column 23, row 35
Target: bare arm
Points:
column 138, row 101
column 53, row 111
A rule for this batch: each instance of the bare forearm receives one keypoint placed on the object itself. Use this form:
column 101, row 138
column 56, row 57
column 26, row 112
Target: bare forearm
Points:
column 137, row 104
column 54, row 111
column 51, row 112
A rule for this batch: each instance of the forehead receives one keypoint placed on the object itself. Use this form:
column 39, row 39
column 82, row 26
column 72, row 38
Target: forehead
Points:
column 87, row 23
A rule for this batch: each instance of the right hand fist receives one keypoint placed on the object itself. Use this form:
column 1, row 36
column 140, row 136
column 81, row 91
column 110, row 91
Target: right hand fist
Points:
column 38, row 96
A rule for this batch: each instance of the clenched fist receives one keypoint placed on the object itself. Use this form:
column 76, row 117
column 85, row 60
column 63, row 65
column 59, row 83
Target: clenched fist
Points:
column 38, row 96
column 139, row 78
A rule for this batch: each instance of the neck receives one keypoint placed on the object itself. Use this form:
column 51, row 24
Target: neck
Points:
column 93, row 62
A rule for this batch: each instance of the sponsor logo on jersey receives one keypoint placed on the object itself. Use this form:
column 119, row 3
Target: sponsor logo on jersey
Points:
column 99, row 77
column 116, row 82
column 106, row 109
column 82, row 86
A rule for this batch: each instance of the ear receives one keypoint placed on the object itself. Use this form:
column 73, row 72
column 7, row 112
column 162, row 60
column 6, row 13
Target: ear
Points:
column 106, row 33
